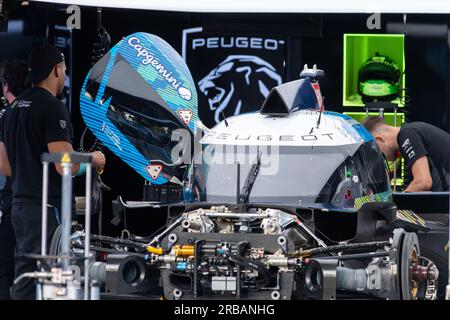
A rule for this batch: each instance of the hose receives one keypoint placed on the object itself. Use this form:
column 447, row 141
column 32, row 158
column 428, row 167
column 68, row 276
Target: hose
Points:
column 338, row 248
column 159, row 251
column 116, row 241
column 35, row 274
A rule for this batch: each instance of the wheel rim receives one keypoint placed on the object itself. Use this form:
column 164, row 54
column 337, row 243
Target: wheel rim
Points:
column 413, row 264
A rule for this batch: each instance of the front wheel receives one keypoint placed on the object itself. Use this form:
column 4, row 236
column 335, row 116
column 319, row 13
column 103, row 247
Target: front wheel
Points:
column 409, row 260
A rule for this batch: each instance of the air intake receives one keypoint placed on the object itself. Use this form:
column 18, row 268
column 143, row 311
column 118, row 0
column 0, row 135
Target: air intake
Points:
column 289, row 97
column 296, row 95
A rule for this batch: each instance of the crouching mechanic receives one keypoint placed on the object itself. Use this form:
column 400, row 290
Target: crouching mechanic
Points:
column 36, row 123
column 424, row 147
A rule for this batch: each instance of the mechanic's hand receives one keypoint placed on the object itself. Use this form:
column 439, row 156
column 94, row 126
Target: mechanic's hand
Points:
column 99, row 160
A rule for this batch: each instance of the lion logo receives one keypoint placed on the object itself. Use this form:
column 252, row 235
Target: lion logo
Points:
column 231, row 87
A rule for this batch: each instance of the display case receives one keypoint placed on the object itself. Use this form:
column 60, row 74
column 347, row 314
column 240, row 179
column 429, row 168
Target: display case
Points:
column 360, row 47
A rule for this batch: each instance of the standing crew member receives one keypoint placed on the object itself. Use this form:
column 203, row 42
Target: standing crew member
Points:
column 13, row 75
column 36, row 123
column 424, row 147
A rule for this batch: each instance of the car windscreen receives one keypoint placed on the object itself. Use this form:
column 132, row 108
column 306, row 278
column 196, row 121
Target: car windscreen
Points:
column 297, row 175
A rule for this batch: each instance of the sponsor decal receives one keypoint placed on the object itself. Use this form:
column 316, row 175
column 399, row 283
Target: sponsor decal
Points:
column 62, row 124
column 234, row 73
column 112, row 136
column 22, row 104
column 405, row 143
column 225, row 42
column 186, row 115
column 148, row 58
column 154, row 170
column 267, row 137
column 408, row 149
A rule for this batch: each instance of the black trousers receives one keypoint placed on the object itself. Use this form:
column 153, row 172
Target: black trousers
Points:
column 7, row 244
column 27, row 220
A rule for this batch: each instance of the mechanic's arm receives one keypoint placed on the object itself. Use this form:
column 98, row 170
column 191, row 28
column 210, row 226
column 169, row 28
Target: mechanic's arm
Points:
column 5, row 168
column 61, row 147
column 56, row 123
column 98, row 158
column 422, row 180
column 413, row 150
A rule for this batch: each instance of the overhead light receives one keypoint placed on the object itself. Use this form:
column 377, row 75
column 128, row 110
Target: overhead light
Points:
column 285, row 6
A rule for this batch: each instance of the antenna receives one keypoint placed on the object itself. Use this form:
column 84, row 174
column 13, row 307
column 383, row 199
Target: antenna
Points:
column 224, row 118
column 313, row 75
column 320, row 114
column 238, row 183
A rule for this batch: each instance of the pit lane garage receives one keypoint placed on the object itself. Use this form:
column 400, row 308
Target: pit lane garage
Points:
column 237, row 164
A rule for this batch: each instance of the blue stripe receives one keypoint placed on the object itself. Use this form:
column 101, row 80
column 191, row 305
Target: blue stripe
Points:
column 363, row 132
column 359, row 128
column 339, row 115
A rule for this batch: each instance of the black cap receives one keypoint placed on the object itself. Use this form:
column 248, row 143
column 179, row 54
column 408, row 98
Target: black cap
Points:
column 41, row 61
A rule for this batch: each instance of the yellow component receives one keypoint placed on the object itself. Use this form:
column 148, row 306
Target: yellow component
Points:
column 183, row 251
column 154, row 250
column 65, row 158
column 300, row 254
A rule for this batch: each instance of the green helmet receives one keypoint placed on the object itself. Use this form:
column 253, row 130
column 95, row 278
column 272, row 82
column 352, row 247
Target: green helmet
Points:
column 379, row 79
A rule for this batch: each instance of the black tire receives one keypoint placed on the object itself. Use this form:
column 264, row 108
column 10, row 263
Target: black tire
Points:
column 410, row 248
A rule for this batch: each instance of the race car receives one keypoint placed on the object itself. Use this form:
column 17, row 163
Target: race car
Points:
column 288, row 202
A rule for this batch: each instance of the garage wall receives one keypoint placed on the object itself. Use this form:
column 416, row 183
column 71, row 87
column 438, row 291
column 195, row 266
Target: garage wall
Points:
column 312, row 39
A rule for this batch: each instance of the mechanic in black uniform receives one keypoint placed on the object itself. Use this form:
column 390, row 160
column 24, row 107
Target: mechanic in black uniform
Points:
column 35, row 123
column 424, row 147
column 13, row 74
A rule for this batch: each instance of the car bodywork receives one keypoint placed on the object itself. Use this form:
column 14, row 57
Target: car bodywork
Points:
column 291, row 202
